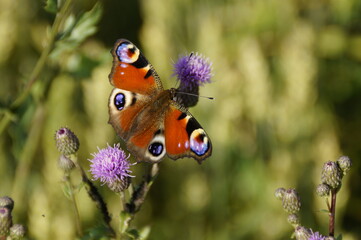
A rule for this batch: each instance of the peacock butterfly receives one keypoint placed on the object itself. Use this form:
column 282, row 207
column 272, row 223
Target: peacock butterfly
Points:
column 148, row 118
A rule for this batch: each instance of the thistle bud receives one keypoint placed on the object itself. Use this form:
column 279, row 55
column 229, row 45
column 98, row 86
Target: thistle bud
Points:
column 293, row 219
column 279, row 193
column 302, row 233
column 7, row 202
column 5, row 221
column 66, row 141
column 291, row 201
column 323, row 190
column 65, row 163
column 17, row 232
column 331, row 174
column 345, row 164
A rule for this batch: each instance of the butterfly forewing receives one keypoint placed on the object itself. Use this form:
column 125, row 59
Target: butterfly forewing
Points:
column 131, row 70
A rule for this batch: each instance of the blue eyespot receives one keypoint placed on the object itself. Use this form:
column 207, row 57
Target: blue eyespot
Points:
column 199, row 142
column 155, row 148
column 119, row 101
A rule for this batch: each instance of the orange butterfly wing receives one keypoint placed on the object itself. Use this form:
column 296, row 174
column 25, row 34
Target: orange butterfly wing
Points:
column 184, row 136
column 131, row 70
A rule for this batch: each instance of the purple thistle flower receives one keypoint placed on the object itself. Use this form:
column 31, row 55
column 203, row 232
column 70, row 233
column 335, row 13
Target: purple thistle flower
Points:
column 193, row 69
column 316, row 236
column 111, row 166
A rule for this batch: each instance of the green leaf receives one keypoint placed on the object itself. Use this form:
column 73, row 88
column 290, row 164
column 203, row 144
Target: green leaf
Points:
column 97, row 233
column 133, row 233
column 144, row 233
column 67, row 191
column 77, row 30
column 339, row 237
column 324, row 211
column 51, row 6
column 86, row 26
column 124, row 219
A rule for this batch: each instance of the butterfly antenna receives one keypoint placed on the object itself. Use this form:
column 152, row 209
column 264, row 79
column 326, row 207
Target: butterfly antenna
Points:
column 196, row 95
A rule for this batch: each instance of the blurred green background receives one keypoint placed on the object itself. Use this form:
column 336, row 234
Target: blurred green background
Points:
column 287, row 88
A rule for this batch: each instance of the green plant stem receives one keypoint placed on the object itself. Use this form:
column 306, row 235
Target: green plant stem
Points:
column 137, row 199
column 74, row 204
column 331, row 226
column 39, row 66
column 26, row 158
column 60, row 16
column 97, row 198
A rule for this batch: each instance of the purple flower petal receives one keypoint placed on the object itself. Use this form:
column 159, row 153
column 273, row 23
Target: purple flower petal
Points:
column 110, row 165
column 316, row 236
column 193, row 69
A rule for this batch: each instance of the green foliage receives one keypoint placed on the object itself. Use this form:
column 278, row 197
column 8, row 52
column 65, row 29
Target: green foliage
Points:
column 76, row 30
column 51, row 6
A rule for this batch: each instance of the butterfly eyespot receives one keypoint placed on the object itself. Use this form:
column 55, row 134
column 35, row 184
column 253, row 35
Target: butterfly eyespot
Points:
column 119, row 101
column 156, row 149
column 127, row 52
column 199, row 142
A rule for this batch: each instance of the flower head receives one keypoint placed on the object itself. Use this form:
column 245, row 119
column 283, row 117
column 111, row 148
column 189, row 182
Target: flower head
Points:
column 17, row 232
column 291, row 201
column 65, row 163
column 5, row 221
column 302, row 233
column 331, row 174
column 345, row 164
column 66, row 141
column 279, row 193
column 323, row 190
column 193, row 69
column 7, row 202
column 111, row 166
column 293, row 219
column 316, row 236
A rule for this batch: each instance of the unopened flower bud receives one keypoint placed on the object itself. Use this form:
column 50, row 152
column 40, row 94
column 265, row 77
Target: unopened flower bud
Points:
column 293, row 219
column 291, row 201
column 329, row 238
column 302, row 233
column 7, row 202
column 66, row 141
column 323, row 190
column 331, row 174
column 279, row 193
column 17, row 232
column 345, row 164
column 5, row 221
column 65, row 163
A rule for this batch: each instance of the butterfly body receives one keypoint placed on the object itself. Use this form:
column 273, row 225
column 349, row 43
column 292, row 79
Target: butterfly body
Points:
column 147, row 117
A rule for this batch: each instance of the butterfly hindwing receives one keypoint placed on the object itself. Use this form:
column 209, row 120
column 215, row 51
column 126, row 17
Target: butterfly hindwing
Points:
column 124, row 108
column 184, row 136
